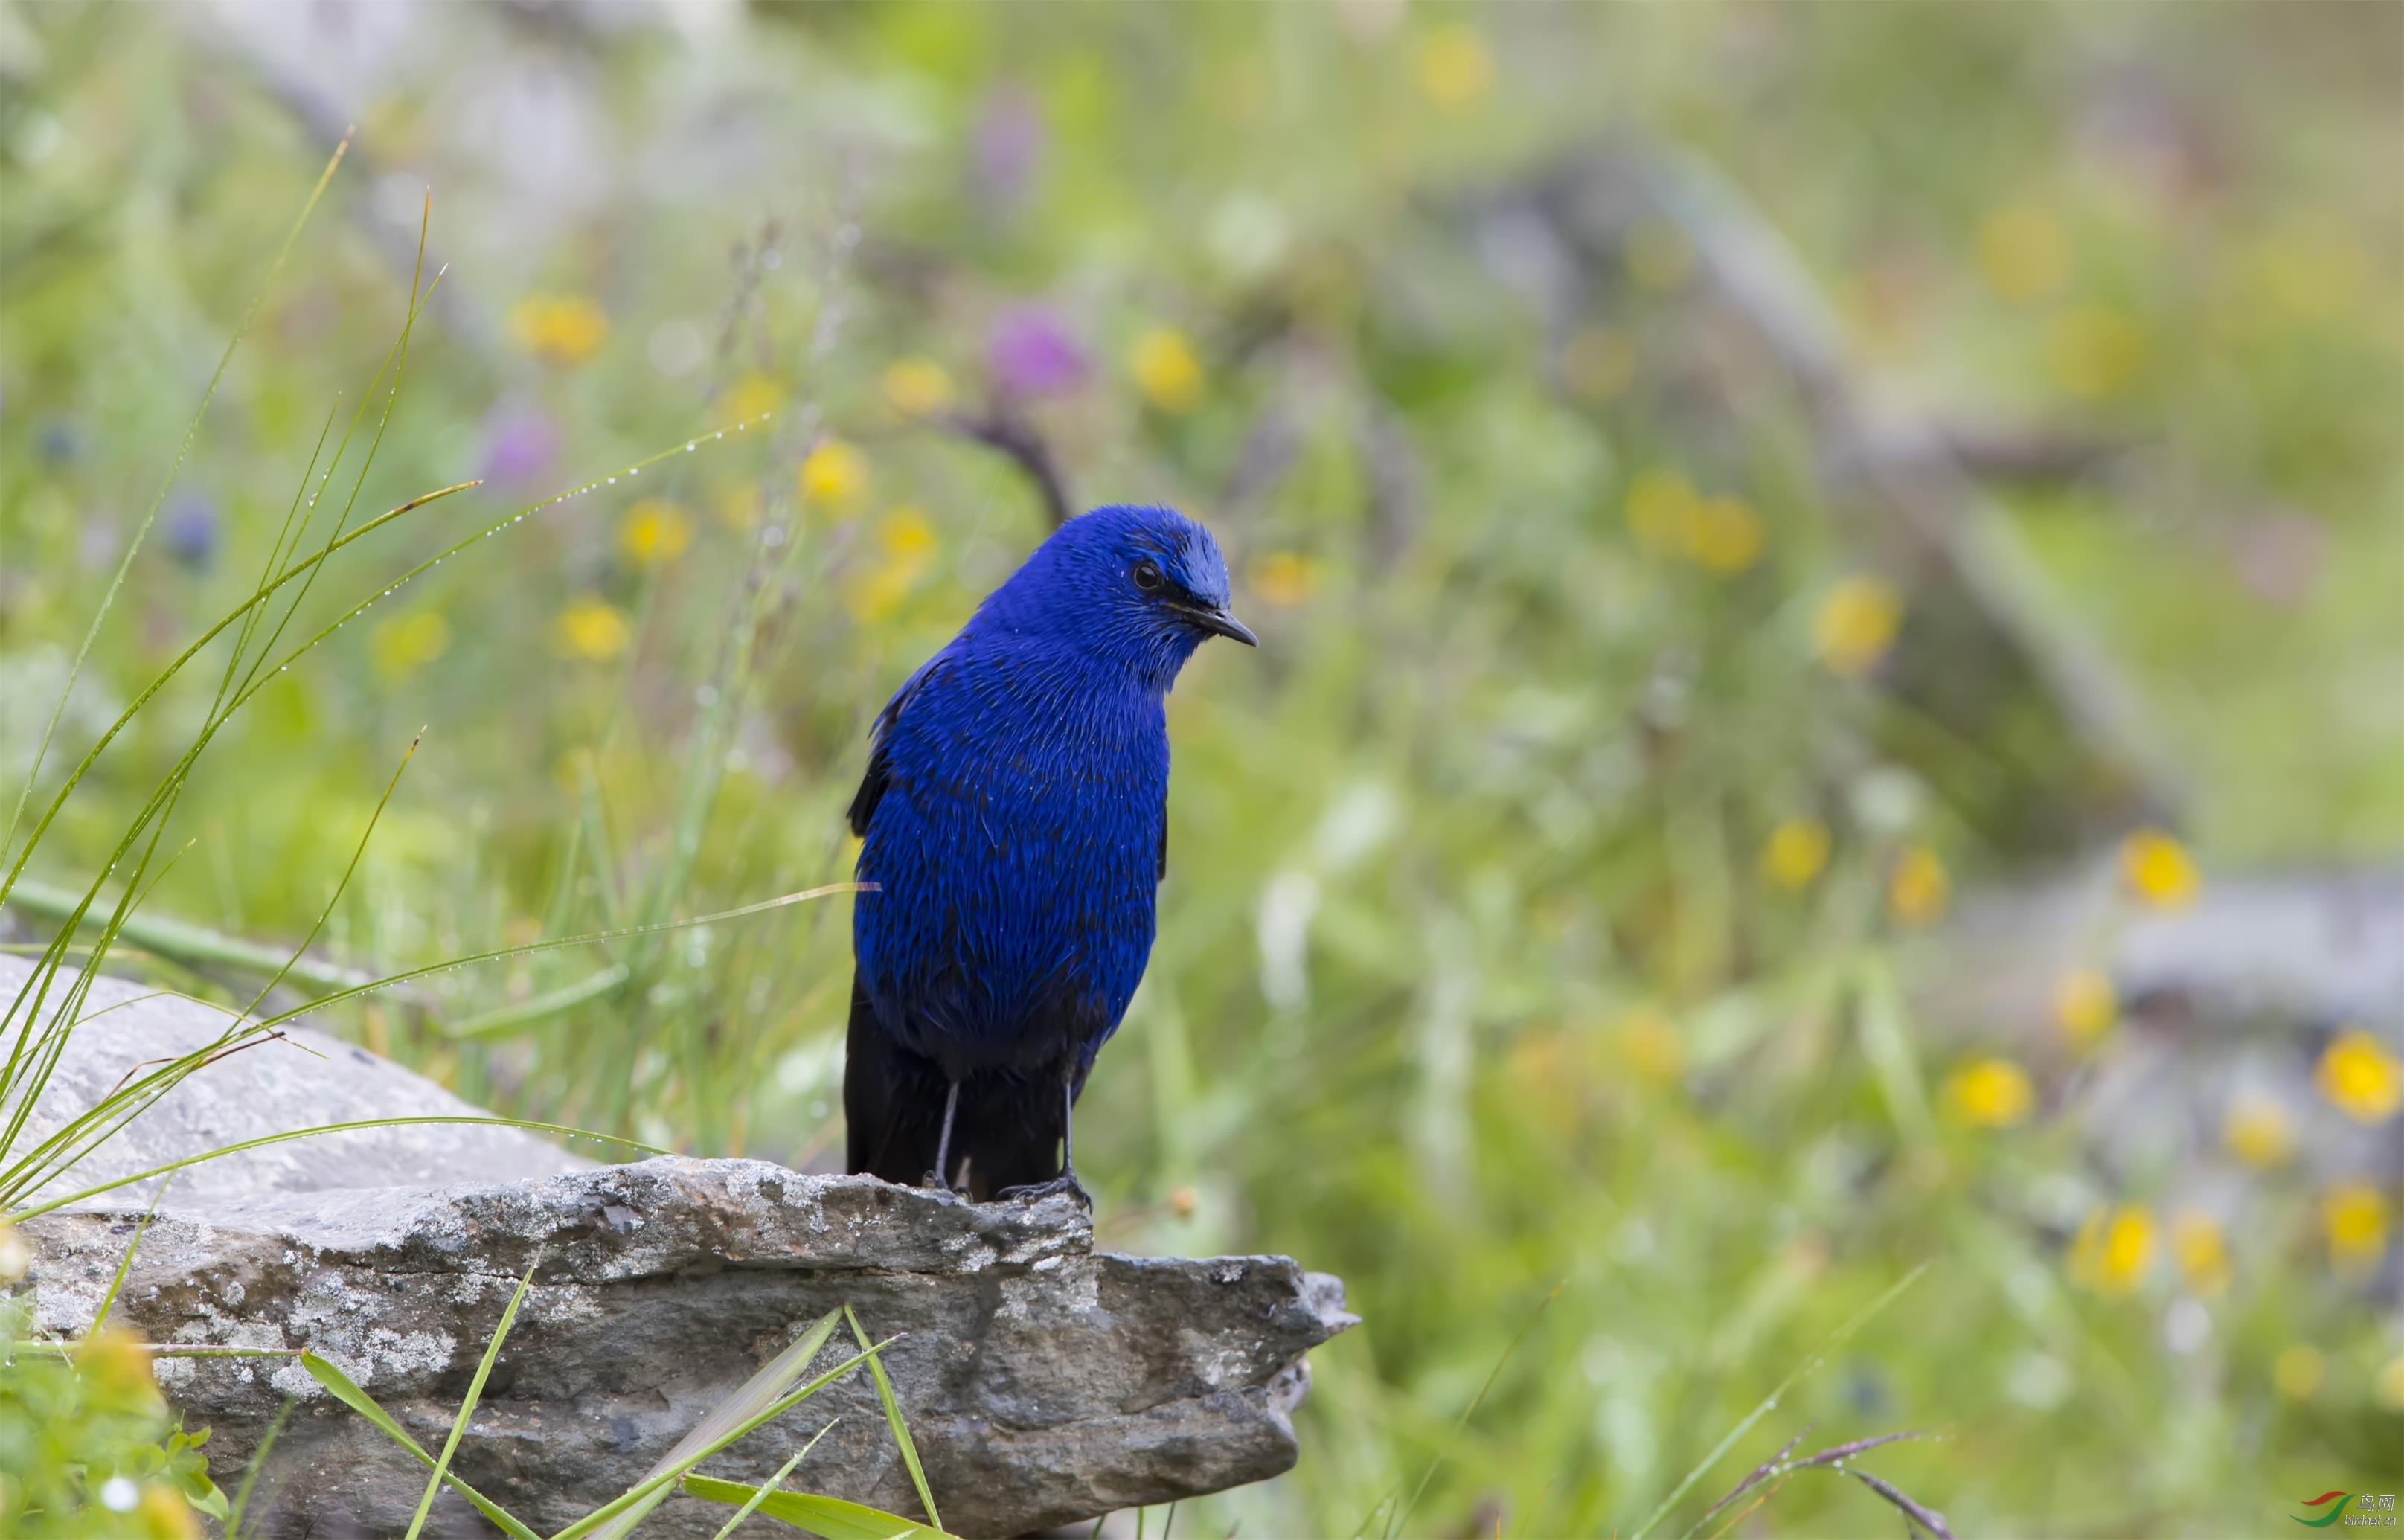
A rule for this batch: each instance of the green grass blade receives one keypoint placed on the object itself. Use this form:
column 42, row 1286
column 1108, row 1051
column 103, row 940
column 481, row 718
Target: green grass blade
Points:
column 294, row 526
column 350, row 1395
column 396, row 360
column 549, row 1004
column 191, row 430
column 176, row 666
column 638, row 1498
column 893, row 1420
column 773, row 1379
column 1886, row 1042
column 467, row 1406
column 20, row 1215
column 125, row 1263
column 831, row 1517
column 69, row 1143
column 752, row 1504
column 1394, row 1521
column 358, row 853
column 18, row 1087
column 250, row 1471
column 1769, row 1402
column 181, row 941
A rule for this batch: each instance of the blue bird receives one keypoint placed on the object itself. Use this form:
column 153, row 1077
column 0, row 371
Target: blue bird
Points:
column 1014, row 820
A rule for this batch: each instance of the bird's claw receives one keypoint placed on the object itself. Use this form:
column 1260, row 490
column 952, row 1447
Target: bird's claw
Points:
column 933, row 1182
column 1034, row 1192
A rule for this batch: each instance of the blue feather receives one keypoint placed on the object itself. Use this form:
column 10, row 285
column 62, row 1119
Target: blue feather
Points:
column 1012, row 819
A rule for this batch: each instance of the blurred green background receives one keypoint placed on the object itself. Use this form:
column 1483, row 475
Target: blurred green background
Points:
column 1720, row 488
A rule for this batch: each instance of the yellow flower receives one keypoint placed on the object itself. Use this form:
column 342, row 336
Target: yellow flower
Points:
column 753, row 396
column 112, row 1360
column 1455, row 68
column 906, row 545
column 2299, row 1370
column 1182, row 1201
column 655, row 533
column 916, row 388
column 834, row 475
column 402, row 644
column 1598, row 363
column 559, row 328
column 1651, row 1045
column 590, row 628
column 2114, row 1251
column 1856, row 624
column 1659, row 255
column 907, row 538
column 1661, row 508
column 876, row 594
column 2084, row 1005
column 1918, row 888
column 1797, row 851
column 1726, row 535
column 2353, row 1216
column 2202, row 1253
column 2095, row 351
column 2257, row 1132
column 1166, row 369
column 2359, row 1079
column 2159, row 870
column 1989, row 1093
column 1284, row 578
column 164, row 1515
column 2023, row 253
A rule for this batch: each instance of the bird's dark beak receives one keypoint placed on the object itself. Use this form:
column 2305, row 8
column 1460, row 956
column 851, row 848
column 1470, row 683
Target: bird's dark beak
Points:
column 1219, row 623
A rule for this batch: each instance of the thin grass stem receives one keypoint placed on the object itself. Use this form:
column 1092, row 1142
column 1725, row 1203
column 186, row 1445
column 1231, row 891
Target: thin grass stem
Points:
column 752, row 1505
column 475, row 1394
column 1769, row 1403
column 192, row 431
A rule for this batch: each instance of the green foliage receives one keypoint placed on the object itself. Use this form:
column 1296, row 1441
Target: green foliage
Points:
column 757, row 1402
column 87, row 1447
column 1545, row 900
column 830, row 1516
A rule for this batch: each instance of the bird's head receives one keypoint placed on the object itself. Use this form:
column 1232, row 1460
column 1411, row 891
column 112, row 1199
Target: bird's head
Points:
column 1146, row 586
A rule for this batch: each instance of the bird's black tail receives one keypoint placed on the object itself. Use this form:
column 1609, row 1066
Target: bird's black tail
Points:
column 1006, row 1132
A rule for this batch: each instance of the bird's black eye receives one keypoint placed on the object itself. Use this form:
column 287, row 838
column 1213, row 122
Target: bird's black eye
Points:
column 1148, row 578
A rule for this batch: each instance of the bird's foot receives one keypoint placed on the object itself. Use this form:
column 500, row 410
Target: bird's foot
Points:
column 1066, row 1182
column 933, row 1182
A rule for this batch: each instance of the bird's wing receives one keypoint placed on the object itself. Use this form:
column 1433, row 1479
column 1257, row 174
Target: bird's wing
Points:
column 880, row 764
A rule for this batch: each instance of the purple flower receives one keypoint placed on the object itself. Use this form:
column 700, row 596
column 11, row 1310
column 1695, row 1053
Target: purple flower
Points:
column 1031, row 353
column 521, row 446
column 1007, row 148
column 190, row 530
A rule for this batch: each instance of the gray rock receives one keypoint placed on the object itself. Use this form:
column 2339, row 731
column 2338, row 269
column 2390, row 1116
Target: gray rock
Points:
column 1044, row 1383
column 301, row 1079
column 2257, row 956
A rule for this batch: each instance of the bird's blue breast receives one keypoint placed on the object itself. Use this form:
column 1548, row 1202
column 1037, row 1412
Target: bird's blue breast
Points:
column 1016, row 846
